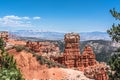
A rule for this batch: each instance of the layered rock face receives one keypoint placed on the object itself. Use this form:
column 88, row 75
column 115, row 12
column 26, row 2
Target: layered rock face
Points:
column 101, row 75
column 88, row 57
column 97, row 72
column 4, row 35
column 71, row 56
column 42, row 47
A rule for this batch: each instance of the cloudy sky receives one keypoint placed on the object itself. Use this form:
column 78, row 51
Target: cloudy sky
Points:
column 57, row 15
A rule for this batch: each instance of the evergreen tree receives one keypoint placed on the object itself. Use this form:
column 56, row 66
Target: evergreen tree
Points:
column 8, row 69
column 114, row 33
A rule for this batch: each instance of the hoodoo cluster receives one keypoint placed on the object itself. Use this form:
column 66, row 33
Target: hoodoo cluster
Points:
column 86, row 62
column 72, row 56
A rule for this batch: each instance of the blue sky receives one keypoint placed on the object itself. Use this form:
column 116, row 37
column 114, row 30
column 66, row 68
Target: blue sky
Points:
column 57, row 15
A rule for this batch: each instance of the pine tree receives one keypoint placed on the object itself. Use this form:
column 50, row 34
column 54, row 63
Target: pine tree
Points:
column 8, row 69
column 114, row 33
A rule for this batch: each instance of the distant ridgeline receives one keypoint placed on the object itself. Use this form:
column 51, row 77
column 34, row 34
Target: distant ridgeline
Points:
column 59, row 35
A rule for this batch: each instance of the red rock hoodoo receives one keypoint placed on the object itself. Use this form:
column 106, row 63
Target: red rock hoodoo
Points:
column 71, row 53
column 72, row 57
column 88, row 57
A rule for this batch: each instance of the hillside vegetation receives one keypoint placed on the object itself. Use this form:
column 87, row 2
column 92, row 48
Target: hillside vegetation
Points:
column 8, row 68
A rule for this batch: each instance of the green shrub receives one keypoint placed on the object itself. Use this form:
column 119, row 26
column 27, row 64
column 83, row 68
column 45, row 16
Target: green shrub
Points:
column 19, row 48
column 8, row 69
column 49, row 63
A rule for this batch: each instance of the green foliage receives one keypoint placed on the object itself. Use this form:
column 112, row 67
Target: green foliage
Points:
column 115, row 66
column 41, row 59
column 115, row 14
column 10, row 74
column 114, row 33
column 19, row 48
column 2, row 44
column 61, row 45
column 50, row 64
column 8, row 69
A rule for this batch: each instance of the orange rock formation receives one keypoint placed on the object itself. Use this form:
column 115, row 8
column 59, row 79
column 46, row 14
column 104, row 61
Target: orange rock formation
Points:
column 16, row 42
column 73, row 59
column 32, row 70
column 4, row 35
column 88, row 57
column 97, row 72
column 101, row 75
column 42, row 47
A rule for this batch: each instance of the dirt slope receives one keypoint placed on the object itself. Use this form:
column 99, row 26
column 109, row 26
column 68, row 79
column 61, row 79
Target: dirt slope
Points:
column 32, row 70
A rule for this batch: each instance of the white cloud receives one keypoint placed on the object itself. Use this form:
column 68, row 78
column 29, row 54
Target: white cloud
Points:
column 11, row 17
column 16, row 21
column 27, row 18
column 36, row 17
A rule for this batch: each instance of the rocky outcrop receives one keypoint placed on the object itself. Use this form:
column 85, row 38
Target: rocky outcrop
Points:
column 72, row 57
column 4, row 35
column 97, row 72
column 85, row 62
column 43, row 47
column 101, row 75
column 88, row 57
